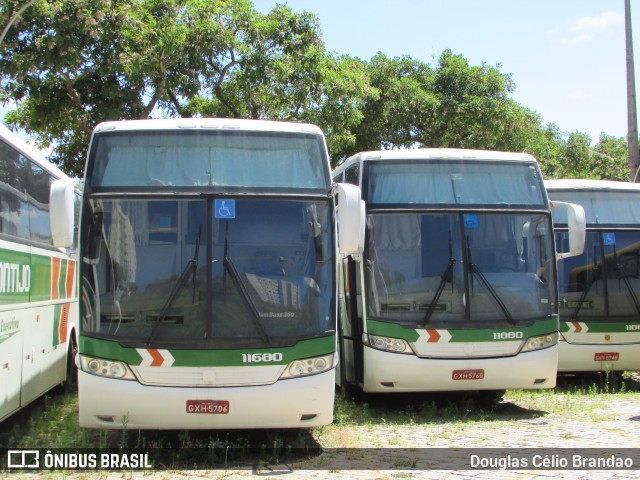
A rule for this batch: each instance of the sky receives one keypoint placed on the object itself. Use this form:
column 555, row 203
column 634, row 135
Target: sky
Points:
column 566, row 57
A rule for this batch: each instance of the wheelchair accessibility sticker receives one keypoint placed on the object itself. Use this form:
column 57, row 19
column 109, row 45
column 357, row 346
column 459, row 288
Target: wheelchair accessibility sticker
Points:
column 609, row 238
column 225, row 208
column 470, row 221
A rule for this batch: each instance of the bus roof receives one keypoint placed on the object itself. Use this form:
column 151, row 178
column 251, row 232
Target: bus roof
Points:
column 586, row 184
column 208, row 123
column 30, row 152
column 437, row 154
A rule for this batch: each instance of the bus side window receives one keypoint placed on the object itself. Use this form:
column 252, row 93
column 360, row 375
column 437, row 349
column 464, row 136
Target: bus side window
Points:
column 38, row 185
column 13, row 184
column 352, row 174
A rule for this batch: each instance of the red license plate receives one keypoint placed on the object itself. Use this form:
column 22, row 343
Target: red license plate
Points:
column 477, row 374
column 211, row 407
column 606, row 357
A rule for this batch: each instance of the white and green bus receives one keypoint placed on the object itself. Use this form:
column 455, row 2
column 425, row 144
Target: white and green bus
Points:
column 456, row 288
column 38, row 299
column 208, row 274
column 600, row 289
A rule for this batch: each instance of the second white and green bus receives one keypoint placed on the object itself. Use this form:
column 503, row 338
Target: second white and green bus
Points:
column 456, row 288
column 600, row 289
column 208, row 269
column 38, row 295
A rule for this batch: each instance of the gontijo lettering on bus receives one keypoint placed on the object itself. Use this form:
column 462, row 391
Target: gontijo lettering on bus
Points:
column 14, row 277
column 25, row 278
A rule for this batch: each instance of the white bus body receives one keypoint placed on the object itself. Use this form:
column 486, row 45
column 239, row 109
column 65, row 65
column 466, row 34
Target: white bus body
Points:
column 456, row 287
column 600, row 289
column 38, row 300
column 208, row 270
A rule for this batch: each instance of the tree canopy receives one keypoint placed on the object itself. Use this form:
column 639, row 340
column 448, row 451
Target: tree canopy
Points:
column 69, row 64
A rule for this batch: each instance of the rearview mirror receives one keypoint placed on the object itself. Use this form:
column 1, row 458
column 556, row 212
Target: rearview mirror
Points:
column 350, row 214
column 577, row 226
column 61, row 212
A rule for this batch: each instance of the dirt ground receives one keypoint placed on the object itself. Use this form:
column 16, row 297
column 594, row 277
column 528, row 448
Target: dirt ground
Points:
column 551, row 428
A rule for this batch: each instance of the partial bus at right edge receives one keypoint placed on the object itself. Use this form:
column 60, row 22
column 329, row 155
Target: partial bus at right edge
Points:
column 599, row 291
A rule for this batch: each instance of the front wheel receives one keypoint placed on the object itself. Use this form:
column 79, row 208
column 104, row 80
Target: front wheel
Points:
column 490, row 399
column 71, row 379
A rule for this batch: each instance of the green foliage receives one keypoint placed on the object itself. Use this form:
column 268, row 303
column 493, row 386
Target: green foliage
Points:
column 611, row 158
column 451, row 105
column 69, row 64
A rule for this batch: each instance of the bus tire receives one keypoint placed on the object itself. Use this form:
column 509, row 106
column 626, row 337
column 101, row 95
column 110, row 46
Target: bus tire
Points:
column 71, row 378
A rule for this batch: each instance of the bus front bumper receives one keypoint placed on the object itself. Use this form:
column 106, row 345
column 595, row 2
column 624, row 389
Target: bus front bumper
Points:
column 392, row 372
column 598, row 358
column 119, row 404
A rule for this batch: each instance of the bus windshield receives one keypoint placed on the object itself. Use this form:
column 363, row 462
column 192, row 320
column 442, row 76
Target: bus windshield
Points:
column 202, row 159
column 452, row 183
column 601, row 207
column 603, row 282
column 207, row 272
column 462, row 268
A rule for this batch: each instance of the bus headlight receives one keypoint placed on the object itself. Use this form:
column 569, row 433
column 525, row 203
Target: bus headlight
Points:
column 310, row 366
column 389, row 344
column 106, row 368
column 538, row 343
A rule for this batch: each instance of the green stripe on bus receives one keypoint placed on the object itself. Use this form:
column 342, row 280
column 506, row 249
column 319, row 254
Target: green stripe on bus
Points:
column 462, row 335
column 27, row 278
column 41, row 278
column 62, row 276
column 602, row 327
column 388, row 329
column 208, row 358
column 16, row 277
column 57, row 314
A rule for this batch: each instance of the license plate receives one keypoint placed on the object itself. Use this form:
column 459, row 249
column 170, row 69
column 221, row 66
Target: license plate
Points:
column 211, row 407
column 477, row 374
column 606, row 357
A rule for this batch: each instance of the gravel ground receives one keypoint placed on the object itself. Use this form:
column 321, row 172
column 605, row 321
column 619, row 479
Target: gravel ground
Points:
column 550, row 427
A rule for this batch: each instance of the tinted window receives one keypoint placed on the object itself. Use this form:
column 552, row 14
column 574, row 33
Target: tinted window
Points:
column 451, row 183
column 14, row 219
column 352, row 174
column 209, row 159
column 601, row 207
column 38, row 194
column 24, row 197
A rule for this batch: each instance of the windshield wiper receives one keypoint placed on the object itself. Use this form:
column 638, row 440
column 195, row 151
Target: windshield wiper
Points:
column 625, row 279
column 237, row 281
column 590, row 282
column 445, row 278
column 189, row 269
column 475, row 270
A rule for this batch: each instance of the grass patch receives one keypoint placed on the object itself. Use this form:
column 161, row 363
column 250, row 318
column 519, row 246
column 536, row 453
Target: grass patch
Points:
column 51, row 422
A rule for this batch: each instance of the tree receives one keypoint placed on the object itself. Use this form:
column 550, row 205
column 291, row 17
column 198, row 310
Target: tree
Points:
column 275, row 67
column 60, row 65
column 610, row 158
column 451, row 105
column 574, row 157
column 70, row 64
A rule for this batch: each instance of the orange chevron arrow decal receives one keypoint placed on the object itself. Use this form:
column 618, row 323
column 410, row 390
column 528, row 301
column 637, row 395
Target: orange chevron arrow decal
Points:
column 157, row 357
column 577, row 326
column 434, row 336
